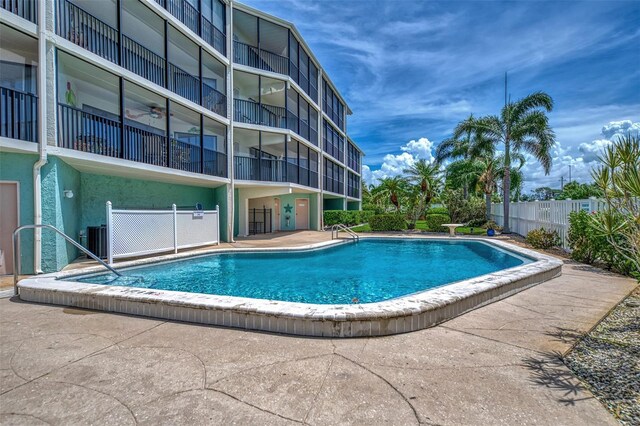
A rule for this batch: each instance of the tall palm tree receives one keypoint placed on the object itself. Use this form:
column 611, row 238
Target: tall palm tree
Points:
column 391, row 187
column 457, row 150
column 426, row 176
column 522, row 126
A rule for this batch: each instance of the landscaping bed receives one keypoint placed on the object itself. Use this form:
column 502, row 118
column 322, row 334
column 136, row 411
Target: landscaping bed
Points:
column 607, row 360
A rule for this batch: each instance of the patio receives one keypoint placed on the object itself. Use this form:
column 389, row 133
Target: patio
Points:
column 497, row 364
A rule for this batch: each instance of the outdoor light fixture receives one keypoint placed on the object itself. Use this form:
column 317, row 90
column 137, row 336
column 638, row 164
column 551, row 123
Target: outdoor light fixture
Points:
column 68, row 193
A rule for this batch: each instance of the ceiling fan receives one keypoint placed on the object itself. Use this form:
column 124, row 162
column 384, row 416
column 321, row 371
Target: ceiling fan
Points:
column 154, row 112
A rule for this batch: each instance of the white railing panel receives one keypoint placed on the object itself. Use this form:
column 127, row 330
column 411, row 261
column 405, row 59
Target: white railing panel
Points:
column 197, row 228
column 133, row 233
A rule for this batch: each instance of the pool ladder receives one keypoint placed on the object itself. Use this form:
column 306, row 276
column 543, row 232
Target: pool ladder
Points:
column 16, row 251
column 335, row 229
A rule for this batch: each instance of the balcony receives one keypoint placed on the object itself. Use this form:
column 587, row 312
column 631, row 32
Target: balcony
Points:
column 261, row 114
column 86, row 132
column 18, row 115
column 26, row 9
column 273, row 170
column 87, row 31
column 189, row 15
column 252, row 56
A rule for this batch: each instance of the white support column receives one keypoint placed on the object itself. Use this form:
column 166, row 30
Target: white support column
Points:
column 217, row 224
column 109, row 234
column 175, row 228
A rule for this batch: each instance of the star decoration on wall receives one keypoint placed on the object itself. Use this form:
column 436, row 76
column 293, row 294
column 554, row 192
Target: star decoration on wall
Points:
column 288, row 208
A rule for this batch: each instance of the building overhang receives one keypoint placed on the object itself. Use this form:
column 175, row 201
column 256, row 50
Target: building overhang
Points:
column 102, row 165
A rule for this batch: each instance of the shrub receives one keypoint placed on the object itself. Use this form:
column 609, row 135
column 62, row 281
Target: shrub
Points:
column 387, row 222
column 543, row 239
column 463, row 211
column 348, row 217
column 589, row 245
column 477, row 223
column 437, row 210
column 434, row 222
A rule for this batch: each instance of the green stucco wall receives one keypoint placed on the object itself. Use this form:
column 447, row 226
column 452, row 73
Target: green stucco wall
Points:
column 61, row 212
column 220, row 198
column 19, row 167
column 134, row 193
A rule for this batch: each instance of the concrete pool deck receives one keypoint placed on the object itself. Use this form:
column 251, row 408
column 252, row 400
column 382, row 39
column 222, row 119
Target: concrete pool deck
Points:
column 495, row 365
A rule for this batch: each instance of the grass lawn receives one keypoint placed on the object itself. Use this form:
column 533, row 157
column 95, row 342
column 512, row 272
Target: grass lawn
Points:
column 421, row 225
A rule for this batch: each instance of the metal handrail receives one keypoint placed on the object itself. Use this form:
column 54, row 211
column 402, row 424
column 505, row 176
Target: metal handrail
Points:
column 342, row 227
column 16, row 254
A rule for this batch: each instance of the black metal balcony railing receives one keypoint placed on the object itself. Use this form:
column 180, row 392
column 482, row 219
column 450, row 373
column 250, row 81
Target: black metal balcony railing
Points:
column 273, row 170
column 87, row 31
column 213, row 36
column 94, row 134
column 256, row 113
column 87, row 132
column 186, row 13
column 189, row 15
column 184, row 84
column 214, row 100
column 18, row 115
column 144, row 146
column 215, row 163
column 255, row 57
column 142, row 61
column 27, row 9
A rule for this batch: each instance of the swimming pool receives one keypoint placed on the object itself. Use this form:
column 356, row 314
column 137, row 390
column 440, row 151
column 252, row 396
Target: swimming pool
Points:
column 398, row 285
column 371, row 270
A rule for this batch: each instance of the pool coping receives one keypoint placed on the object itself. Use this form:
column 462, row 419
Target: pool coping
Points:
column 403, row 314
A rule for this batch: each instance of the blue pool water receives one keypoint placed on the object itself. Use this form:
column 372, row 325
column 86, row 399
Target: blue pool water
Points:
column 371, row 270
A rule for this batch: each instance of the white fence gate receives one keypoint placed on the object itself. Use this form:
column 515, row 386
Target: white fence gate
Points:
column 133, row 233
column 550, row 215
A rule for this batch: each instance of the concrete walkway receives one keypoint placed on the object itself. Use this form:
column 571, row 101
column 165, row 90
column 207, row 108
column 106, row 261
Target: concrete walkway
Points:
column 495, row 365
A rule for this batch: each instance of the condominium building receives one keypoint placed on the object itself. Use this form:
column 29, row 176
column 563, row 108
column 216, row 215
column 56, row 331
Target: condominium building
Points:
column 149, row 103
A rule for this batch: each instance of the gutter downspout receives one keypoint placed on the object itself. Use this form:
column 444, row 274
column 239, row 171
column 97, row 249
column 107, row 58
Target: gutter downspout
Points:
column 231, row 197
column 42, row 136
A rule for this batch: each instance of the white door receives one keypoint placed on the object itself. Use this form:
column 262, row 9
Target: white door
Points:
column 276, row 214
column 302, row 213
column 8, row 223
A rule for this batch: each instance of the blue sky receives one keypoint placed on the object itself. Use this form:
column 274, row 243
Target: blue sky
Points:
column 410, row 70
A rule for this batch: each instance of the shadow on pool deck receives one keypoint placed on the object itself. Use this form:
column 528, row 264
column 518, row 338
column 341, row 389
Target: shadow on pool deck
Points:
column 496, row 364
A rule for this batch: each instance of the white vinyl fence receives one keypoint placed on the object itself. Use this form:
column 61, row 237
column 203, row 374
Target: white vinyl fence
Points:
column 550, row 215
column 140, row 232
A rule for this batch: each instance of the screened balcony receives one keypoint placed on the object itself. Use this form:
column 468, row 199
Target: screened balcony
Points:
column 259, row 100
column 27, row 9
column 268, row 157
column 18, row 88
column 150, row 130
column 260, row 44
column 209, row 23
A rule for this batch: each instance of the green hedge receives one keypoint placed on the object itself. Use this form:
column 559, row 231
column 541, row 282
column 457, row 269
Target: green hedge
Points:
column 437, row 210
column 347, row 217
column 387, row 222
column 543, row 239
column 435, row 220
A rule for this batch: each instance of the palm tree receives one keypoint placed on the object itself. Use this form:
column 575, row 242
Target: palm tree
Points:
column 391, row 187
column 426, row 176
column 457, row 150
column 522, row 126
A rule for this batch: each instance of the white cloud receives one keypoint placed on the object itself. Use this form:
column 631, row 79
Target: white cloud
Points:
column 577, row 161
column 620, row 128
column 395, row 164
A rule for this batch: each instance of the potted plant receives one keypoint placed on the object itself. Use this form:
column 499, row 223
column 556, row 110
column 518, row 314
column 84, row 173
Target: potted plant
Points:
column 491, row 228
